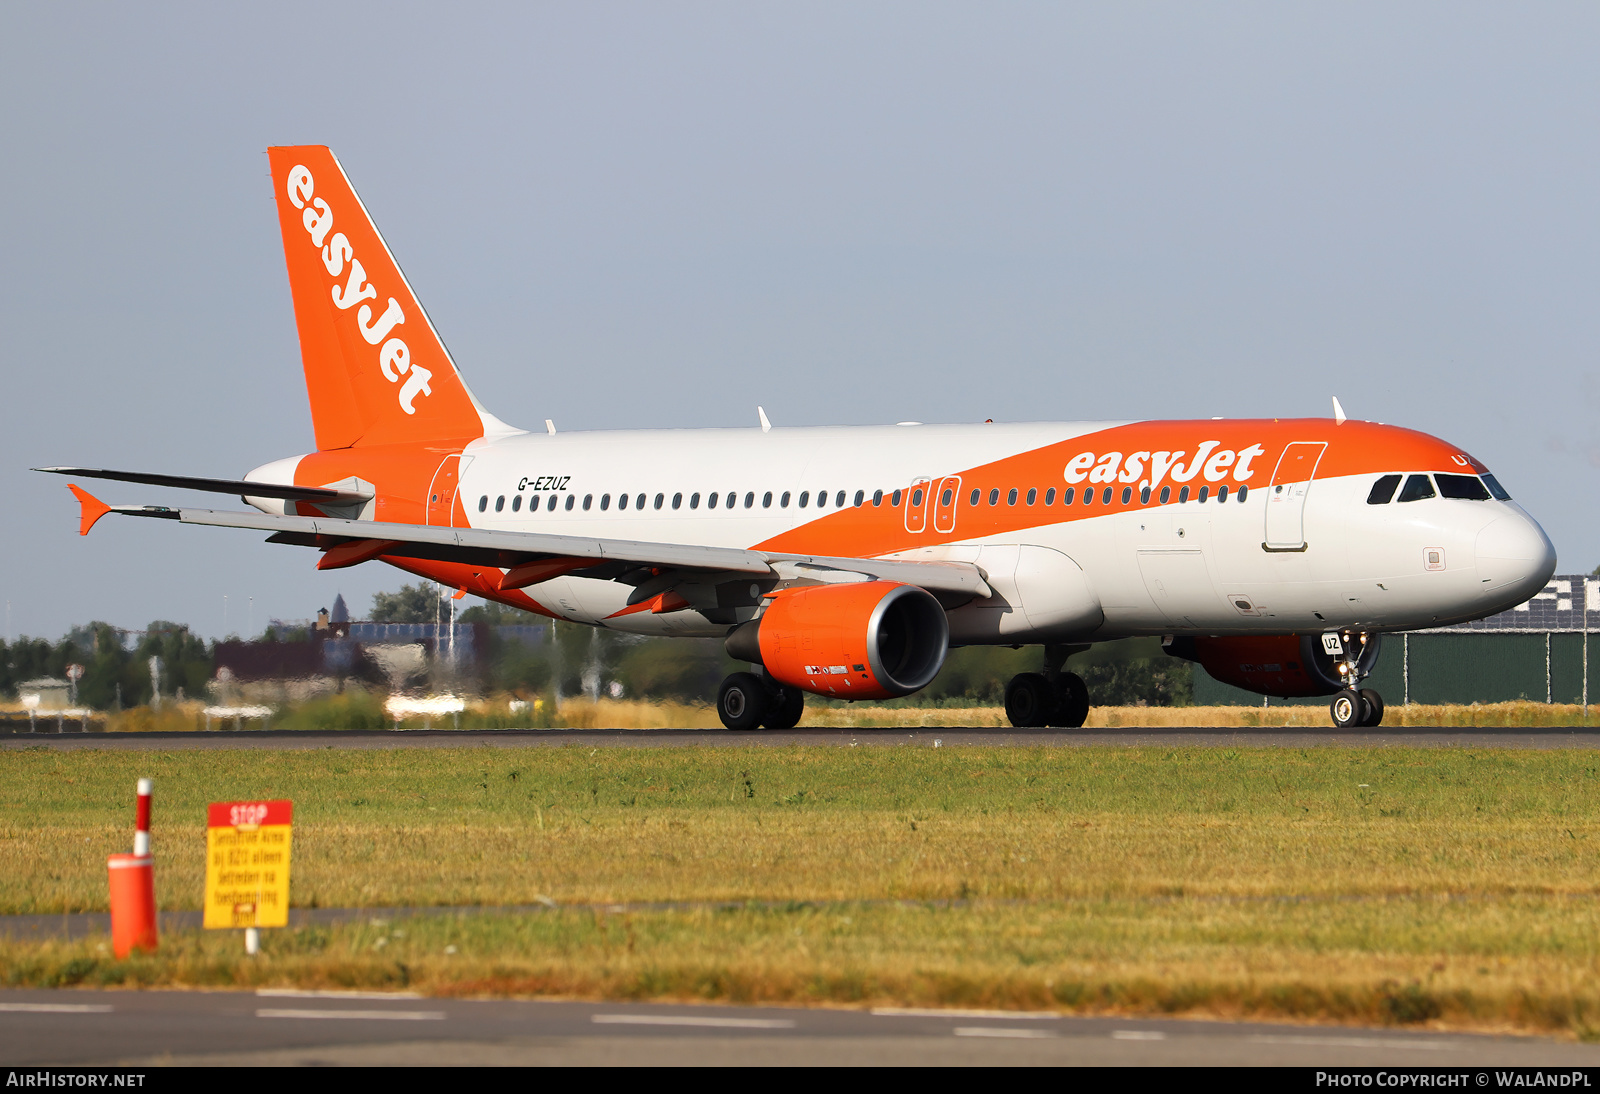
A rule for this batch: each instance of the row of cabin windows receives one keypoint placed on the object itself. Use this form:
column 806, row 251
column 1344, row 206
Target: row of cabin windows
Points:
column 712, row 500
column 1068, row 497
column 1420, row 487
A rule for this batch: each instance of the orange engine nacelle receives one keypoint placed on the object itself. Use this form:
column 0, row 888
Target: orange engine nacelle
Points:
column 1284, row 665
column 865, row 640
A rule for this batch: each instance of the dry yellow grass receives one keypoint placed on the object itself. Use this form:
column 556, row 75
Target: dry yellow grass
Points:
column 1460, row 886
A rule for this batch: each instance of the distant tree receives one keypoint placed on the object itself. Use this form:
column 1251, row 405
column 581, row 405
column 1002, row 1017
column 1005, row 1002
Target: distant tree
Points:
column 412, row 604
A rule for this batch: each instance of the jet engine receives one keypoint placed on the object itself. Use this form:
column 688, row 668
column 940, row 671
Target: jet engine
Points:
column 863, row 640
column 1283, row 665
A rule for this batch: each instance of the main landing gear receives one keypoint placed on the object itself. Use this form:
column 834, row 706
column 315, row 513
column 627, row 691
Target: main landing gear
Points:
column 746, row 701
column 1049, row 698
column 1357, row 653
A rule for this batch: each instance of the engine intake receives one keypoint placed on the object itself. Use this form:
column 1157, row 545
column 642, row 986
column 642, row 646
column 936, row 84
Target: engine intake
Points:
column 865, row 640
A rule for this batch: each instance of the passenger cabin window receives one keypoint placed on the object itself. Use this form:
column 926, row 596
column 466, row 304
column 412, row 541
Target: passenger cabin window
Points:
column 916, row 498
column 571, row 498
column 976, row 494
column 1144, row 495
column 1244, row 491
column 483, row 503
column 1033, row 495
column 1205, row 492
column 1183, row 495
column 694, row 500
column 783, row 502
column 1166, row 494
column 1105, row 496
column 516, row 504
column 588, row 500
column 805, row 498
column 1495, row 488
column 1011, row 498
column 1066, row 498
column 1050, row 496
column 822, row 498
column 622, row 501
column 750, row 499
column 894, row 499
column 677, row 501
column 1088, row 495
column 1461, row 487
column 638, row 502
column 766, row 500
column 550, row 506
column 605, row 502
column 994, row 496
column 877, row 497
column 499, row 503
column 947, row 497
column 1416, row 488
column 660, row 500
column 1222, row 493
column 1383, row 490
column 838, row 502
column 1127, row 494
column 861, row 497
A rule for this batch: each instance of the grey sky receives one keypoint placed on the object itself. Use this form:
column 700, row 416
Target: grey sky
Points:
column 624, row 215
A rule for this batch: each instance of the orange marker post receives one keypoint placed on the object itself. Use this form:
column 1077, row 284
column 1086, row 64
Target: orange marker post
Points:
column 133, row 887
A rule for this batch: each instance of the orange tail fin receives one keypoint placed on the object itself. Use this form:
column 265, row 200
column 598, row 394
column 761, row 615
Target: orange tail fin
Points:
column 376, row 371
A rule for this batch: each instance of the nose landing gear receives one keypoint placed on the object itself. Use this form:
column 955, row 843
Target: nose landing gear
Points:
column 1356, row 653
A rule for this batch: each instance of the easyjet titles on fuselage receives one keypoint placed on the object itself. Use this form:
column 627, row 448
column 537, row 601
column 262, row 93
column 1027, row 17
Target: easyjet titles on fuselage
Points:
column 1211, row 461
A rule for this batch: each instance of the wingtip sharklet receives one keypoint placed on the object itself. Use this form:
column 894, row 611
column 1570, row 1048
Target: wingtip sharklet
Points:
column 91, row 508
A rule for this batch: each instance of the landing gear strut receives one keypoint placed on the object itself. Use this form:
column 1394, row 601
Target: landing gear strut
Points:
column 1050, row 698
column 745, row 701
column 1357, row 652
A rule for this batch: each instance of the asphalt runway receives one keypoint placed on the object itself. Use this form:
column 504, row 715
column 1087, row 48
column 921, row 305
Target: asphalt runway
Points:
column 1167, row 737
column 40, row 1028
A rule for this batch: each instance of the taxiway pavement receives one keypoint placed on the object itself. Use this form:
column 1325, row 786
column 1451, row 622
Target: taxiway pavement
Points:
column 1165, row 737
column 39, row 1028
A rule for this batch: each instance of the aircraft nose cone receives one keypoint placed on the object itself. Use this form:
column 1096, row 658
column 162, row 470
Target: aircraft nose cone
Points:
column 1515, row 558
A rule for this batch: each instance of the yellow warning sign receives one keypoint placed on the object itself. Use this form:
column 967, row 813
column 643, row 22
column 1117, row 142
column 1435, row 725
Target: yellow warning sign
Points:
column 247, row 864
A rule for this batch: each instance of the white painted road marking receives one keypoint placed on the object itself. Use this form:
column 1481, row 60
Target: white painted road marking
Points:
column 934, row 1012
column 297, row 993
column 54, row 1008
column 389, row 1015
column 1353, row 1042
column 1137, row 1035
column 689, row 1020
column 1000, row 1031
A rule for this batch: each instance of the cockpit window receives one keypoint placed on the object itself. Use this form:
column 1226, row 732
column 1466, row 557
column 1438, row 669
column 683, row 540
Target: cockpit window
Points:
column 1495, row 488
column 1416, row 488
column 1383, row 490
column 1462, row 487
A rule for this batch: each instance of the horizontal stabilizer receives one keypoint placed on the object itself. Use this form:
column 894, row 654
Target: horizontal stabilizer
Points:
column 241, row 487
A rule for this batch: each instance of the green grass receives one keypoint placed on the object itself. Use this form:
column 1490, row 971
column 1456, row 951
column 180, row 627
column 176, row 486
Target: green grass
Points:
column 1398, row 885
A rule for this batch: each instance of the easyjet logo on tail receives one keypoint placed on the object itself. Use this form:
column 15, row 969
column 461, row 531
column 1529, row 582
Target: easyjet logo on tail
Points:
column 1211, row 461
column 394, row 356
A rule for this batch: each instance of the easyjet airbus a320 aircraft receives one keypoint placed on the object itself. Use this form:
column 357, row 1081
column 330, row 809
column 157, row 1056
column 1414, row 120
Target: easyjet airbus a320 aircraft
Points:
column 847, row 561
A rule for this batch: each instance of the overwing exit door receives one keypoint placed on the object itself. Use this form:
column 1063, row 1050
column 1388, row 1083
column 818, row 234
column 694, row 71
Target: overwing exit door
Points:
column 917, row 506
column 1286, row 497
column 945, row 499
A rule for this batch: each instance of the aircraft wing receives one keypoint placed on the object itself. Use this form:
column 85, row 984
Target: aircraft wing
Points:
column 530, row 557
